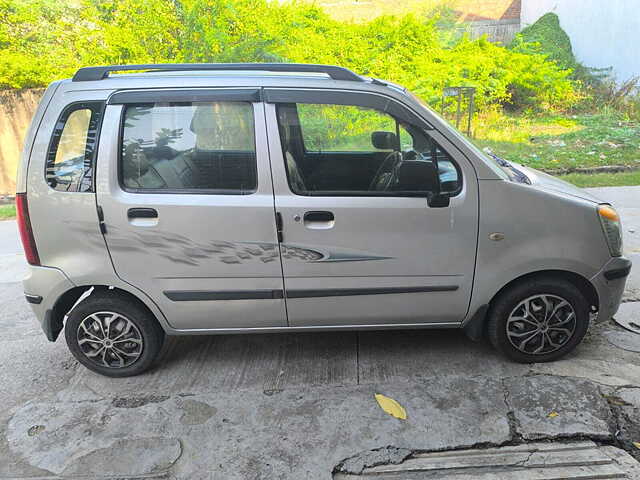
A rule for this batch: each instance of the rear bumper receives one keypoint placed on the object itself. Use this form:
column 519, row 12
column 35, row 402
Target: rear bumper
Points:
column 42, row 288
column 609, row 283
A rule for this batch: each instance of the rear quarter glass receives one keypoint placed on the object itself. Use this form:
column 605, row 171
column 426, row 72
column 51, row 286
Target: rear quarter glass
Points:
column 21, row 179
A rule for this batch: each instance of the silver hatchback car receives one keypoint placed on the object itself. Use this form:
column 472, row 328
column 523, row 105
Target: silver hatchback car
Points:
column 238, row 198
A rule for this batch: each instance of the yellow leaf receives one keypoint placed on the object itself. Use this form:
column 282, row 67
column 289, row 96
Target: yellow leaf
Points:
column 637, row 445
column 392, row 407
column 553, row 415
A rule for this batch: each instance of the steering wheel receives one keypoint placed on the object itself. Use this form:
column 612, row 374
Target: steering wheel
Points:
column 387, row 166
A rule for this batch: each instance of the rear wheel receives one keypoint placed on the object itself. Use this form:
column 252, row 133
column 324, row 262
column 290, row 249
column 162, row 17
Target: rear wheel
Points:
column 113, row 336
column 538, row 320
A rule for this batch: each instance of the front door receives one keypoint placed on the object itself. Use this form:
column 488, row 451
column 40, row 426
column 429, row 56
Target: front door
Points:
column 184, row 185
column 361, row 244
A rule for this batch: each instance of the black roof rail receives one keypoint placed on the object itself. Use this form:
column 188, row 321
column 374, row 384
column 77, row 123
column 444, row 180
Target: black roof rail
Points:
column 87, row 74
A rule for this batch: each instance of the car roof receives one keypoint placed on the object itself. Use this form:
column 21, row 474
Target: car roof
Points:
column 333, row 71
column 224, row 75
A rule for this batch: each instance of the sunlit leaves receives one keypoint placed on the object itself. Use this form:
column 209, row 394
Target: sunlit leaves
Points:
column 43, row 40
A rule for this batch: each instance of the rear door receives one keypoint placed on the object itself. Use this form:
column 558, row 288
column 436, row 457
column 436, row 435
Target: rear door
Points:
column 185, row 189
column 361, row 244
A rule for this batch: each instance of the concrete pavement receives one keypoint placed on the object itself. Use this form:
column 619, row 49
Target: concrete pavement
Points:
column 296, row 406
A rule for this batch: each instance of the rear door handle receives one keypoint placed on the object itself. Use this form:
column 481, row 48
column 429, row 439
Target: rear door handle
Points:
column 318, row 216
column 142, row 213
column 319, row 220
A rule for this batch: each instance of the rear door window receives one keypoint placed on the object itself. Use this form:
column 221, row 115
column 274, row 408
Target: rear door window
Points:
column 201, row 147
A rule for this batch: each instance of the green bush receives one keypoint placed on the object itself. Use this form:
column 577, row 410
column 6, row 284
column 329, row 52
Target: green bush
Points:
column 43, row 40
column 547, row 37
column 597, row 89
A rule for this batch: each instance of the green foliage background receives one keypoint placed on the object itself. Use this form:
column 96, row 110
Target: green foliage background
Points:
column 45, row 40
column 547, row 36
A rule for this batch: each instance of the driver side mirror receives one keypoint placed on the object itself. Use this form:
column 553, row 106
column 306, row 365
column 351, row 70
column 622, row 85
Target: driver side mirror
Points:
column 438, row 200
column 420, row 176
column 384, row 140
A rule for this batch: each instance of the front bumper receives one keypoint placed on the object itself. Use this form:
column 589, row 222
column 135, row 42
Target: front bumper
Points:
column 609, row 283
column 42, row 288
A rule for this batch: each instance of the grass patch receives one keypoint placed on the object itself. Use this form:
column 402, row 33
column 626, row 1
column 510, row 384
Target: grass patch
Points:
column 7, row 212
column 603, row 179
column 552, row 143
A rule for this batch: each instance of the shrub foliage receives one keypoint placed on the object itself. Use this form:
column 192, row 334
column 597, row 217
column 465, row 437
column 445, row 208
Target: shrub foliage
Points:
column 546, row 36
column 44, row 40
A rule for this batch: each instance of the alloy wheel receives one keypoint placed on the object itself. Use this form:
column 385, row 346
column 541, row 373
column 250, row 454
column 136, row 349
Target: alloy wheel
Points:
column 109, row 339
column 541, row 324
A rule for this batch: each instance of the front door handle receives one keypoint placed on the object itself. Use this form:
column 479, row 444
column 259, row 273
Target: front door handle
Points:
column 142, row 213
column 318, row 217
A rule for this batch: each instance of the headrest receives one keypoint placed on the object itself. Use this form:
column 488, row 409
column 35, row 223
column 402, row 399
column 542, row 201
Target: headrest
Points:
column 223, row 126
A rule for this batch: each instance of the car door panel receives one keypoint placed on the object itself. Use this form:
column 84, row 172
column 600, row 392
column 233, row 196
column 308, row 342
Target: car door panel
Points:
column 356, row 254
column 381, row 260
column 207, row 260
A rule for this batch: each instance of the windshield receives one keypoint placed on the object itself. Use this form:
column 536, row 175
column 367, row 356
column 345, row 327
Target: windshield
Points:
column 501, row 167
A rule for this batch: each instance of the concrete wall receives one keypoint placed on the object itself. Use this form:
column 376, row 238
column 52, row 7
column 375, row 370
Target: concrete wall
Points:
column 472, row 10
column 16, row 110
column 604, row 33
column 498, row 19
column 502, row 31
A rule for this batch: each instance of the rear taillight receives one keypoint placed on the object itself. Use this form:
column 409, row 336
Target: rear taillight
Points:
column 26, row 233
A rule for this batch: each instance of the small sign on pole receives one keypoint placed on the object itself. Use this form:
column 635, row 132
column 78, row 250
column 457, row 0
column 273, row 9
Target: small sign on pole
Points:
column 460, row 94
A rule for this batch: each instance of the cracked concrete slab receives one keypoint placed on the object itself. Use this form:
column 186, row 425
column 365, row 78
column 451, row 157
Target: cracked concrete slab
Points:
column 380, row 456
column 625, row 462
column 196, row 412
column 556, row 407
column 630, row 396
column 407, row 356
column 628, row 316
column 135, row 456
column 626, row 409
column 202, row 364
column 624, row 339
column 298, row 433
column 536, row 461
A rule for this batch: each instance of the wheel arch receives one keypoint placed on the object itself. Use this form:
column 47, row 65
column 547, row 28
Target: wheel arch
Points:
column 68, row 299
column 581, row 283
column 476, row 326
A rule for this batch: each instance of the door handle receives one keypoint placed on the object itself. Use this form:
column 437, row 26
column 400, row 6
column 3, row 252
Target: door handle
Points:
column 318, row 217
column 142, row 213
column 319, row 220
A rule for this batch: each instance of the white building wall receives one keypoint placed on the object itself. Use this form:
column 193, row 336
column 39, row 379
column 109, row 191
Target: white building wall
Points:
column 604, row 33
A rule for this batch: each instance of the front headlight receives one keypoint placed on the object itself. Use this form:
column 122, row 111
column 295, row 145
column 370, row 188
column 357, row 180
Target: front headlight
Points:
column 612, row 229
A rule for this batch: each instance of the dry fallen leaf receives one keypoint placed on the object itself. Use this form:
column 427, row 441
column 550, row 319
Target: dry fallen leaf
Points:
column 637, row 445
column 392, row 407
column 553, row 415
column 614, row 400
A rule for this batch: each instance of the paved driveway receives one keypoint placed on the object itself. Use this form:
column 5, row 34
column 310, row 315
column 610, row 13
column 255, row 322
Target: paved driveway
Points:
column 296, row 406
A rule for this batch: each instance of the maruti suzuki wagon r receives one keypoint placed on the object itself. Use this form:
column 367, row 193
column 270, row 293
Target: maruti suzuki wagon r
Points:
column 243, row 198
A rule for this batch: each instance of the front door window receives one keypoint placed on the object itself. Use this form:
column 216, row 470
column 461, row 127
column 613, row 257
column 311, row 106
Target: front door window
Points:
column 357, row 151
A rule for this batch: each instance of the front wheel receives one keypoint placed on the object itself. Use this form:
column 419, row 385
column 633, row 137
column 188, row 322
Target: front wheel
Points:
column 538, row 320
column 113, row 335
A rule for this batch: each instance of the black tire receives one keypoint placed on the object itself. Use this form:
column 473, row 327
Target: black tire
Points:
column 145, row 338
column 503, row 306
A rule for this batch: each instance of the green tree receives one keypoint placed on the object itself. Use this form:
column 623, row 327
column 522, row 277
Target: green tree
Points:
column 41, row 40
